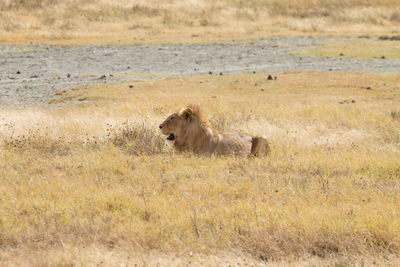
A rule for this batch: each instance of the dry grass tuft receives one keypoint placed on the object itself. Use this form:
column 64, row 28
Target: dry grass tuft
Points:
column 136, row 139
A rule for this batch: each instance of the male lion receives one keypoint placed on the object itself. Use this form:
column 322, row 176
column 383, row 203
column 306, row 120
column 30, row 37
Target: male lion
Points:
column 189, row 130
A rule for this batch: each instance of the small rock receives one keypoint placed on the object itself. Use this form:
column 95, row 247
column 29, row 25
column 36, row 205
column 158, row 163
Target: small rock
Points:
column 103, row 76
column 130, row 86
column 255, row 84
column 383, row 57
column 341, row 54
column 68, row 75
column 34, row 76
column 18, row 72
column 353, row 101
column 254, row 72
column 330, row 69
column 368, row 87
column 195, row 69
column 269, row 77
column 128, row 68
column 210, row 72
column 300, row 58
column 276, row 78
column 262, row 89
column 111, row 75
column 221, row 74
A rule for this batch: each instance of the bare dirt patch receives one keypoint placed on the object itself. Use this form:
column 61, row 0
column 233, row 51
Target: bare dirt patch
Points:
column 31, row 75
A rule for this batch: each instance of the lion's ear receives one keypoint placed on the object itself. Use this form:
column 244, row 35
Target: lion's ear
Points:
column 187, row 113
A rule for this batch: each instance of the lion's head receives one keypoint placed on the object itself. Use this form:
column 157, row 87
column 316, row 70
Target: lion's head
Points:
column 189, row 130
column 173, row 127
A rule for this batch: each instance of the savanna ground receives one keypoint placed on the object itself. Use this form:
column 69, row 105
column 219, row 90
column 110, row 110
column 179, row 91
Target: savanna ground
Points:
column 94, row 184
column 123, row 22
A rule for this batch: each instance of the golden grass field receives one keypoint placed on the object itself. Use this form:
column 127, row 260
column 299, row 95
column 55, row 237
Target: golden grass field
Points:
column 90, row 181
column 93, row 183
column 122, row 22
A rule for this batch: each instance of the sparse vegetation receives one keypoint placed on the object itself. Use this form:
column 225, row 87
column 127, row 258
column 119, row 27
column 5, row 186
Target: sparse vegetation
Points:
column 96, row 177
column 389, row 48
column 96, row 22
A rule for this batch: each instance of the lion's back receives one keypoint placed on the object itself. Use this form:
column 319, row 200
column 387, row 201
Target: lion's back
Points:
column 234, row 143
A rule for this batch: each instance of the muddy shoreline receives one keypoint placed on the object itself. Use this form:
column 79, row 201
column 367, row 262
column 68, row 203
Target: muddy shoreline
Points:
column 31, row 75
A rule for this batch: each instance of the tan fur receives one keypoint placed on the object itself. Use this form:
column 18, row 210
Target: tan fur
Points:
column 192, row 132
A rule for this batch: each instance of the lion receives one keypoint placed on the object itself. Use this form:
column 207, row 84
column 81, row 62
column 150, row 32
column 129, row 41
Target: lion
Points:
column 190, row 131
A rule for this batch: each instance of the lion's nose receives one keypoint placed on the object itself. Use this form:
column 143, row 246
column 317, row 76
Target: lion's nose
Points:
column 160, row 126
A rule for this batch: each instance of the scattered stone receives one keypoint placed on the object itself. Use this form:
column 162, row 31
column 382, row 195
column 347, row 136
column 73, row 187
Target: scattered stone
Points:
column 383, row 57
column 130, row 86
column 82, row 99
column 368, row 87
column 254, row 72
column 221, row 74
column 347, row 101
column 262, row 89
column 210, row 72
column 34, row 76
column 60, row 92
column 18, row 72
column 390, row 38
column 68, row 75
column 13, row 78
column 341, row 54
column 195, row 69
column 255, row 84
column 269, row 78
column 275, row 78
column 128, row 68
column 300, row 58
column 111, row 75
column 330, row 69
column 103, row 77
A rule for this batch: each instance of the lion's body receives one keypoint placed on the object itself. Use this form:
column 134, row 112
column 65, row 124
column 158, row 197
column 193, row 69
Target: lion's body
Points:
column 190, row 131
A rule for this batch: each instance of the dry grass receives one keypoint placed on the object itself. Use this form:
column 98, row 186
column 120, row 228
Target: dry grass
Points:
column 367, row 49
column 126, row 22
column 92, row 183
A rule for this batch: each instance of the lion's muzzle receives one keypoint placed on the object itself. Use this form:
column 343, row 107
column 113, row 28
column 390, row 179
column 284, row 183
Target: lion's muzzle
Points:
column 171, row 137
